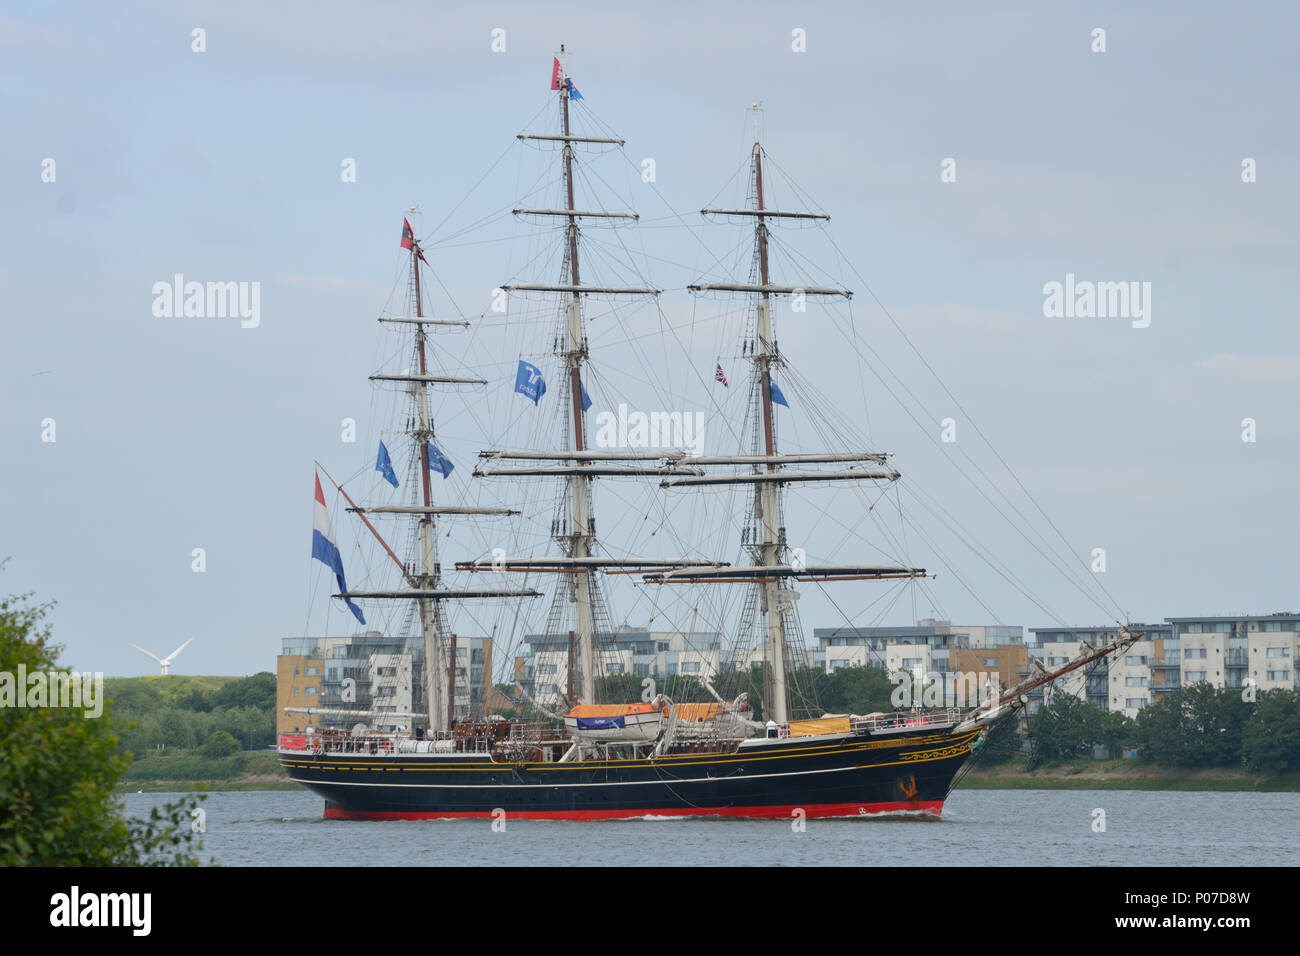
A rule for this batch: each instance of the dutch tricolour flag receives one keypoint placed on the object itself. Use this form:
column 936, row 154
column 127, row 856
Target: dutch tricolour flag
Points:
column 324, row 549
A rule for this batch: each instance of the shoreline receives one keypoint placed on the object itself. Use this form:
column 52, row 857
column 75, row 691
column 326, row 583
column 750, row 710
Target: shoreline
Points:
column 1089, row 775
column 1125, row 775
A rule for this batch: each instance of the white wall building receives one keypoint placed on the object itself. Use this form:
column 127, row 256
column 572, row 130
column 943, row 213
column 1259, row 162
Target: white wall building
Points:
column 391, row 690
column 1129, row 678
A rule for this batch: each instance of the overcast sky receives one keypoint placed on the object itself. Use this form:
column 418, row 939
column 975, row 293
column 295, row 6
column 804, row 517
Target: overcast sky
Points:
column 225, row 165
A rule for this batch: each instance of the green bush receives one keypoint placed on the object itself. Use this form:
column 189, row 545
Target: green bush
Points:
column 58, row 771
column 219, row 744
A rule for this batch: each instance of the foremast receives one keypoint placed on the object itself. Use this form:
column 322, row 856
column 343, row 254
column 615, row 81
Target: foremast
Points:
column 772, row 570
column 772, row 545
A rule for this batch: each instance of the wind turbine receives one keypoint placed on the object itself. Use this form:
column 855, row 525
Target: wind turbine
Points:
column 166, row 662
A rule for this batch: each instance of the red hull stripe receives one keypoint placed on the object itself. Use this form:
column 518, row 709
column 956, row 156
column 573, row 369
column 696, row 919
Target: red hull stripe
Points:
column 812, row 811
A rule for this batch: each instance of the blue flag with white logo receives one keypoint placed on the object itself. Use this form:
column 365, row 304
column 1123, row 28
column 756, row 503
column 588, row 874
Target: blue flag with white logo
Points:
column 384, row 465
column 439, row 462
column 777, row 397
column 586, row 399
column 529, row 381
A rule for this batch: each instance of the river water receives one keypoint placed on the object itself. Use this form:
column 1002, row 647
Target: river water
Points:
column 979, row 827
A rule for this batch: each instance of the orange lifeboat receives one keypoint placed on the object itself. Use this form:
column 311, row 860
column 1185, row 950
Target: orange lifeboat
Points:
column 626, row 723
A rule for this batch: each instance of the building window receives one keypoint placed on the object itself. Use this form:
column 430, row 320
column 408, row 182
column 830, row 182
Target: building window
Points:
column 312, row 672
column 1279, row 652
column 297, row 691
column 1135, row 702
column 1195, row 653
column 911, row 662
column 547, row 669
column 295, row 672
column 1135, row 682
column 1054, row 661
column 690, row 667
column 1194, row 676
column 1272, row 626
column 613, row 668
column 1134, row 660
column 836, row 665
column 311, row 691
column 990, row 662
column 1279, row 675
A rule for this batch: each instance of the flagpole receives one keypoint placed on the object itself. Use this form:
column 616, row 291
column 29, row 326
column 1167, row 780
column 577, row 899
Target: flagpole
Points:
column 361, row 515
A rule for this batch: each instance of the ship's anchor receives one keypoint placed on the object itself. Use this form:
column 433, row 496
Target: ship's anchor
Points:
column 908, row 787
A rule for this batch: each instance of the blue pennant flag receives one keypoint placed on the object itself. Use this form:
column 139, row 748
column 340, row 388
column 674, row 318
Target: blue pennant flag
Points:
column 439, row 462
column 586, row 399
column 384, row 465
column 573, row 91
column 777, row 397
column 529, row 381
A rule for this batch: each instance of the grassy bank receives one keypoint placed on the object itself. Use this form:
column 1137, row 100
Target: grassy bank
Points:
column 194, row 772
column 1122, row 775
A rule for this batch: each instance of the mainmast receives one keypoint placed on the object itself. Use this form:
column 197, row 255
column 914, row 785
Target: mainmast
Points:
column 577, row 464
column 578, row 484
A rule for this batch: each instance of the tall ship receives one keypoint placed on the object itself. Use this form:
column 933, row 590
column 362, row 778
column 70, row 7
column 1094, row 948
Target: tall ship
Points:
column 587, row 752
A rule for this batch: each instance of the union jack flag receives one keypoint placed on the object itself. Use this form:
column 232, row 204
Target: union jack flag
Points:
column 720, row 376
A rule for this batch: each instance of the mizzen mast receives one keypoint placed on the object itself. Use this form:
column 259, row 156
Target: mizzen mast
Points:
column 428, row 578
column 424, row 585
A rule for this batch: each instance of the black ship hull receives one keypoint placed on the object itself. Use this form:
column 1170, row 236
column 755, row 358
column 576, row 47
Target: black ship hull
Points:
column 824, row 776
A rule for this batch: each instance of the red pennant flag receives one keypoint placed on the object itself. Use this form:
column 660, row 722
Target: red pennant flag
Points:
column 555, row 74
column 408, row 237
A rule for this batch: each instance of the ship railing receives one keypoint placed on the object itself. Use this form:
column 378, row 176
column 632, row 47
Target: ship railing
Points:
column 346, row 744
column 381, row 744
column 908, row 721
column 480, row 738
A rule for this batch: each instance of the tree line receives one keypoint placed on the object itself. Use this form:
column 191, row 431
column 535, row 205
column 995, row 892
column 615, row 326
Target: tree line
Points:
column 240, row 715
column 1193, row 727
